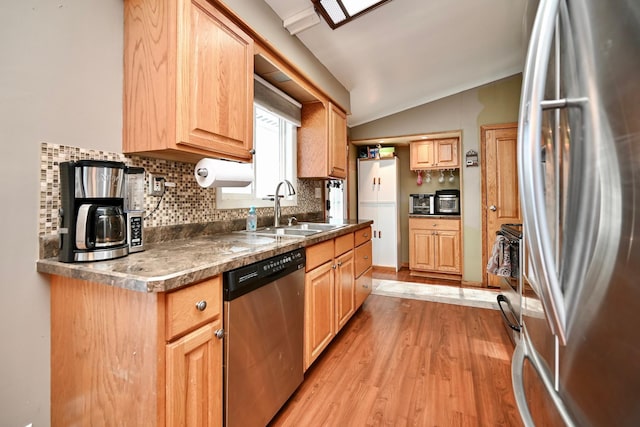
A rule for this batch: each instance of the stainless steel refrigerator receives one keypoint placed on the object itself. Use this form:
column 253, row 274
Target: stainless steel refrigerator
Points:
column 578, row 362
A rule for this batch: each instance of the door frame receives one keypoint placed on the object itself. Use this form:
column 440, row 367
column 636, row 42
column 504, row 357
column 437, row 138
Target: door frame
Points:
column 483, row 174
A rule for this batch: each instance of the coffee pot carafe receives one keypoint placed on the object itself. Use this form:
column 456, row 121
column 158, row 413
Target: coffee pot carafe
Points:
column 93, row 226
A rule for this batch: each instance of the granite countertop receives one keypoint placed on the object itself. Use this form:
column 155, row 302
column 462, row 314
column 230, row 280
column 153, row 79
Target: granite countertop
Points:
column 170, row 265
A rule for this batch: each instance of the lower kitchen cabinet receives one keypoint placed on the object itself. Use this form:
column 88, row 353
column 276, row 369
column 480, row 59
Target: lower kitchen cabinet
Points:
column 329, row 293
column 135, row 358
column 337, row 281
column 434, row 247
column 194, row 395
column 363, row 272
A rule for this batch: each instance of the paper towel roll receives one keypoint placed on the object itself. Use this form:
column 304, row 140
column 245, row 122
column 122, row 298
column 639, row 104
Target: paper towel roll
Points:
column 211, row 173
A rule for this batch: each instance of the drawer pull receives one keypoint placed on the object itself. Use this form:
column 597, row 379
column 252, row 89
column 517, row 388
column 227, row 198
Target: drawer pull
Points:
column 366, row 257
column 365, row 235
column 201, row 305
column 219, row 333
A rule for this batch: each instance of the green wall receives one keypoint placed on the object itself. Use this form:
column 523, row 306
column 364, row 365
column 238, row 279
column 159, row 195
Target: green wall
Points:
column 494, row 103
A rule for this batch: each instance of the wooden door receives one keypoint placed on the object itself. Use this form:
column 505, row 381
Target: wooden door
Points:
column 319, row 311
column 501, row 198
column 194, row 378
column 337, row 143
column 345, row 292
column 215, row 82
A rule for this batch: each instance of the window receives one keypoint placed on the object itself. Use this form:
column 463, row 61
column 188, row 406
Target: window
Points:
column 275, row 159
column 339, row 12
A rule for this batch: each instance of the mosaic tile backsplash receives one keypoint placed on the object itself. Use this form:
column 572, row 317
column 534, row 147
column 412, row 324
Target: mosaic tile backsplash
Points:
column 186, row 203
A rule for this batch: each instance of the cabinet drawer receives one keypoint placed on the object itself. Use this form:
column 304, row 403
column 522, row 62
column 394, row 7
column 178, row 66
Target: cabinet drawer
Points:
column 364, row 286
column 343, row 244
column 185, row 310
column 363, row 258
column 319, row 254
column 434, row 224
column 362, row 236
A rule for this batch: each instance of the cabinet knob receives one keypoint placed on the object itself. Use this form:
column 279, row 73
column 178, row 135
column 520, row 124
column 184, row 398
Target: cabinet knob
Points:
column 493, row 208
column 365, row 235
column 334, row 266
column 339, row 263
column 201, row 305
column 366, row 257
column 219, row 333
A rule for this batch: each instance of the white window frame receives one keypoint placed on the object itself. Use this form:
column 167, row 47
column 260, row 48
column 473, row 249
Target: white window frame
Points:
column 227, row 200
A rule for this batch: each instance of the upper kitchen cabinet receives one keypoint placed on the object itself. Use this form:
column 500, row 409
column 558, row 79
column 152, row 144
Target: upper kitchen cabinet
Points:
column 435, row 154
column 322, row 141
column 188, row 82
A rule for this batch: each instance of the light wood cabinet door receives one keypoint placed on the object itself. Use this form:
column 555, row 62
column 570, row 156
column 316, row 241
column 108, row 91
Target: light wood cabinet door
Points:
column 319, row 311
column 434, row 154
column 422, row 249
column 337, row 143
column 194, row 378
column 447, row 245
column 345, row 291
column 188, row 82
column 421, row 155
column 446, row 153
column 215, row 82
column 322, row 141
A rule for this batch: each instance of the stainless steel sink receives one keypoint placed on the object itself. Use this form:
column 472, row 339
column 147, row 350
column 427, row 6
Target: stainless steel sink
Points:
column 302, row 229
column 314, row 226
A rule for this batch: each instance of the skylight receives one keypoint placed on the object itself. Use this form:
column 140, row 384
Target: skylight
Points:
column 339, row 12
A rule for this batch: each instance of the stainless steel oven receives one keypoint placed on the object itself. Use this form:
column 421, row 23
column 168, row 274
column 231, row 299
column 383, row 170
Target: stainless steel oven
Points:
column 510, row 297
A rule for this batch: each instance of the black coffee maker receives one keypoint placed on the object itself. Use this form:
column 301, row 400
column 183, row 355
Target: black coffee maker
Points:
column 93, row 226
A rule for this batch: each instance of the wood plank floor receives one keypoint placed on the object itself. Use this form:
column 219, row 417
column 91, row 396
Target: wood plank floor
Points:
column 401, row 362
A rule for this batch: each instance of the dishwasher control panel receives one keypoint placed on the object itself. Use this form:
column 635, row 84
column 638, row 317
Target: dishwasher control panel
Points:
column 245, row 279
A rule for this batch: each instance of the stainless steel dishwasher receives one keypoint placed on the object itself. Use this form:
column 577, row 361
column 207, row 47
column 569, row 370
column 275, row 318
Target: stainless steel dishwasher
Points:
column 263, row 348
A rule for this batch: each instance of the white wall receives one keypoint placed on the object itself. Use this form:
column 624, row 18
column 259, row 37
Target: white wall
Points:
column 60, row 82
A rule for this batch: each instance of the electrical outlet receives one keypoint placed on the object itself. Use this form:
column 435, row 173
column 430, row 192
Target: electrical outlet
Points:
column 318, row 193
column 156, row 185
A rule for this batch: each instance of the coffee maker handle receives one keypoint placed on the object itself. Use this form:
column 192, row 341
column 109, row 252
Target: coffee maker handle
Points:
column 83, row 222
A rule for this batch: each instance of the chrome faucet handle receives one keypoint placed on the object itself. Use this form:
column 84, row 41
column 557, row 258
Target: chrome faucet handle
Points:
column 291, row 219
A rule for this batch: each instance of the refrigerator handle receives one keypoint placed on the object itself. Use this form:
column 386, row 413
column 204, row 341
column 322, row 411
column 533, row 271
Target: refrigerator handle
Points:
column 513, row 325
column 525, row 351
column 539, row 245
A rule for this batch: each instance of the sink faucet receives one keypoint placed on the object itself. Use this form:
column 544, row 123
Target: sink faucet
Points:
column 276, row 200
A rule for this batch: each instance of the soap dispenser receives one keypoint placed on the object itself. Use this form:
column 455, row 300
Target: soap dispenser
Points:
column 252, row 219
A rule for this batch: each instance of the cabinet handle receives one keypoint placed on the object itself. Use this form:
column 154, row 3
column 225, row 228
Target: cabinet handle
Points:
column 378, row 180
column 379, row 234
column 366, row 257
column 365, row 235
column 375, row 233
column 374, row 180
column 201, row 305
column 219, row 333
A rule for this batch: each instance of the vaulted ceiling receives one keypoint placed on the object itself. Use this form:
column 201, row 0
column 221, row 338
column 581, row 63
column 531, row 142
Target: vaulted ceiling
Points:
column 409, row 52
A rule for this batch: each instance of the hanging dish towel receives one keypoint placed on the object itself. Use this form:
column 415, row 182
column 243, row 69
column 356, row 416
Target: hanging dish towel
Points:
column 500, row 261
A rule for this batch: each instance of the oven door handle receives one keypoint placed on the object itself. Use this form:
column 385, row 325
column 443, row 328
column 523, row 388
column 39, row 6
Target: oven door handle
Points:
column 503, row 299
